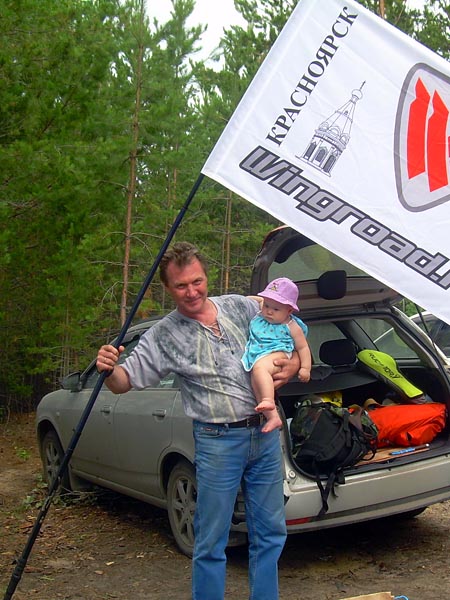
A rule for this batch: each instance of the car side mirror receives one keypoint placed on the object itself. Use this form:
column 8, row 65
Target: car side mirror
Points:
column 72, row 382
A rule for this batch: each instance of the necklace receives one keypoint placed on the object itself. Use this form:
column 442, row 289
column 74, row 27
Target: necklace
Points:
column 218, row 340
column 214, row 326
column 215, row 329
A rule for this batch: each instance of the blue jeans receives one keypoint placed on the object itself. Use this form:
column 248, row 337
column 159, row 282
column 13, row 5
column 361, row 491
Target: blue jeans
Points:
column 225, row 459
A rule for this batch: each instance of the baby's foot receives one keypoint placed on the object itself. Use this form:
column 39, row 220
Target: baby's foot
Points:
column 274, row 422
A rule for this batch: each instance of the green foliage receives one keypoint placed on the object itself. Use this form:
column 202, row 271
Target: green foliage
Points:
column 408, row 307
column 38, row 495
column 55, row 197
column 22, row 453
column 429, row 25
column 107, row 120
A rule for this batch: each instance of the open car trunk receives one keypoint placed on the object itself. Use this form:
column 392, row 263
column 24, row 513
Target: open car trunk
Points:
column 349, row 314
column 355, row 384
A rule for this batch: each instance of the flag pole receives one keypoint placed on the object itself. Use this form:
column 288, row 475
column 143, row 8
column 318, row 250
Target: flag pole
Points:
column 22, row 561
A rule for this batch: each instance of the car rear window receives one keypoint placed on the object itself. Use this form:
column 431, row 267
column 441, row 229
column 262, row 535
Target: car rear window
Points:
column 309, row 263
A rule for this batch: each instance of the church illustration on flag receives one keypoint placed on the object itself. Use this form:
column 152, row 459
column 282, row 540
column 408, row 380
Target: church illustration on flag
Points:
column 332, row 136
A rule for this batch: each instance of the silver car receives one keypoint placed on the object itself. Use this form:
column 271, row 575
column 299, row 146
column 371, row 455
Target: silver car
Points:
column 435, row 328
column 140, row 444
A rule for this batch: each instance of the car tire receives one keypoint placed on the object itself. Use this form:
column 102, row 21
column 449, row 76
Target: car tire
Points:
column 52, row 456
column 181, row 500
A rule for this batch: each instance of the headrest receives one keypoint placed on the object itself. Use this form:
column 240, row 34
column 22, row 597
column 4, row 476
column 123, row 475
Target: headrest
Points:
column 338, row 352
column 332, row 285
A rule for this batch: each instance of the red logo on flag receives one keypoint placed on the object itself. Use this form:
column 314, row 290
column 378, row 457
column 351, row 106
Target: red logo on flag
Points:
column 422, row 139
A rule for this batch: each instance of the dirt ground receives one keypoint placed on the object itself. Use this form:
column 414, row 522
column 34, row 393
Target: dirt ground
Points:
column 107, row 546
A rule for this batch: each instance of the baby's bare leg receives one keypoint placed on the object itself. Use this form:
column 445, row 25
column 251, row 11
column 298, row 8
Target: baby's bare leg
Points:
column 262, row 373
column 262, row 383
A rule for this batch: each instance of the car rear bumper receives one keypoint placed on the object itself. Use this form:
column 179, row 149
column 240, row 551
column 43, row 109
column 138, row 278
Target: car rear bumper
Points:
column 369, row 495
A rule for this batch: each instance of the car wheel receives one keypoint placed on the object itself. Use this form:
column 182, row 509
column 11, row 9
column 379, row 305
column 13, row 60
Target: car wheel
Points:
column 52, row 457
column 181, row 500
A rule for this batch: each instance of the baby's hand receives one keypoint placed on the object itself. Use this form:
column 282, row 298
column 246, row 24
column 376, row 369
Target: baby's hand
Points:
column 304, row 375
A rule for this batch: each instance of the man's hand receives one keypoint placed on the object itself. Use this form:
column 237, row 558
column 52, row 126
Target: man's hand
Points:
column 107, row 357
column 117, row 378
column 289, row 367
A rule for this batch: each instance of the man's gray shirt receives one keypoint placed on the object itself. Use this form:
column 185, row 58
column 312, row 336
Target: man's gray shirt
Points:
column 214, row 386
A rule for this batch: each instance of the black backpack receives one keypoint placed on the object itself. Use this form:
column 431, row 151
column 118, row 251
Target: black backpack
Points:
column 327, row 439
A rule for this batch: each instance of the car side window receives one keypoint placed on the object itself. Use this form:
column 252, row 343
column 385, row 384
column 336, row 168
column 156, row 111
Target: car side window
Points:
column 443, row 338
column 91, row 378
column 92, row 375
column 129, row 347
column 386, row 339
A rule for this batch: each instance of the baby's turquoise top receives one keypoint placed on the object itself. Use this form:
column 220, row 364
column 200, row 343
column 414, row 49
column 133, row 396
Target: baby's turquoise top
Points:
column 265, row 338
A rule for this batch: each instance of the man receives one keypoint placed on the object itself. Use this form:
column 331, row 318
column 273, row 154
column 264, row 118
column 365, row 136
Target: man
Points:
column 203, row 341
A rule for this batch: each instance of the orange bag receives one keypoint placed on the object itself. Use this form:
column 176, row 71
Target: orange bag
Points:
column 408, row 424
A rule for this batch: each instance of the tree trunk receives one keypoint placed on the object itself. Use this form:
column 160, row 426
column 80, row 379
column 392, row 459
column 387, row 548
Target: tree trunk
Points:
column 133, row 169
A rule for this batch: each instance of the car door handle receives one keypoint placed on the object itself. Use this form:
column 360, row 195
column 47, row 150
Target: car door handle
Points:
column 105, row 410
column 159, row 412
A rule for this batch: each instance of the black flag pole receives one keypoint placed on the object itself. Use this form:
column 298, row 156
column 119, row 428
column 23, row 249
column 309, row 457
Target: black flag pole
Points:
column 22, row 561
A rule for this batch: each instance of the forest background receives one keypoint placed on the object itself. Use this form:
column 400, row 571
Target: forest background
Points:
column 107, row 118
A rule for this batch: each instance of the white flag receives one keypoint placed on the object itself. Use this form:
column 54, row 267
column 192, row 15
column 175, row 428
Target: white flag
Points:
column 344, row 135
